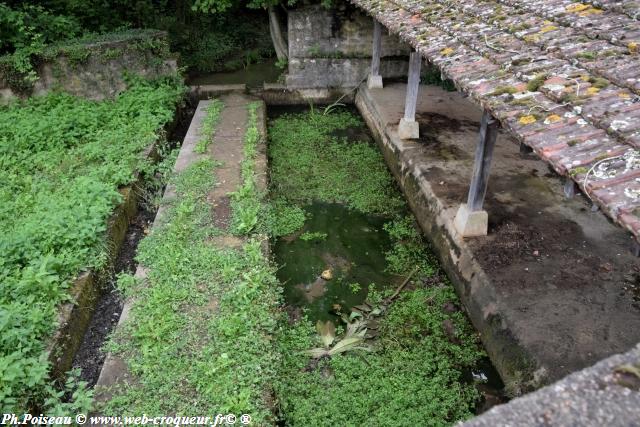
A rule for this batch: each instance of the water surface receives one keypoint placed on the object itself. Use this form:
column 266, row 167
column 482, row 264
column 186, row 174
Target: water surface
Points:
column 353, row 252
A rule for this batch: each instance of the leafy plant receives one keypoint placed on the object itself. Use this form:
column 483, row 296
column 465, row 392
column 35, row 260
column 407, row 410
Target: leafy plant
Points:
column 208, row 125
column 311, row 236
column 62, row 160
column 246, row 204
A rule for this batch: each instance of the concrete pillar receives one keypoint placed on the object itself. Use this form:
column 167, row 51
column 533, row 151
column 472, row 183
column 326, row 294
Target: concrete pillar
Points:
column 471, row 220
column 408, row 127
column 374, row 81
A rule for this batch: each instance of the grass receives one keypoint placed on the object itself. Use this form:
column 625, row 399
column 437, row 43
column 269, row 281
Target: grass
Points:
column 246, row 201
column 205, row 317
column 310, row 161
column 413, row 375
column 208, row 126
column 62, row 160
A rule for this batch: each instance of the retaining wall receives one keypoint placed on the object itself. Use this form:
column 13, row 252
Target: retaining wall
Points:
column 332, row 48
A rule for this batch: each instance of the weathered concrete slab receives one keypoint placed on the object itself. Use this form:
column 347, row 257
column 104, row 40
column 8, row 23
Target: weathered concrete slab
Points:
column 606, row 394
column 553, row 288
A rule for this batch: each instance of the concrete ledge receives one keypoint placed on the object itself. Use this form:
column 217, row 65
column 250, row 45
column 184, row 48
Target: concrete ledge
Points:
column 201, row 92
column 545, row 288
column 280, row 94
column 606, row 394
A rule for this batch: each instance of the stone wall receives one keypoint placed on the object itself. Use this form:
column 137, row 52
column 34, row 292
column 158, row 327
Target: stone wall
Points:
column 332, row 48
column 95, row 70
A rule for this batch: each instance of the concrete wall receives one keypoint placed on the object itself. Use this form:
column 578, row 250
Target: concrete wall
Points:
column 332, row 48
column 96, row 70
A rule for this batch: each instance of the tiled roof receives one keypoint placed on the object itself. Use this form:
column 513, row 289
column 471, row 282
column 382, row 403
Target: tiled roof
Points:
column 562, row 76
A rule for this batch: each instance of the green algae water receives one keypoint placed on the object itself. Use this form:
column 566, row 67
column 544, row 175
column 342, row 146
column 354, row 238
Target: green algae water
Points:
column 350, row 245
column 342, row 239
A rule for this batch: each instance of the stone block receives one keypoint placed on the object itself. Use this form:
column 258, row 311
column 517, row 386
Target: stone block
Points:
column 408, row 129
column 471, row 223
column 374, row 82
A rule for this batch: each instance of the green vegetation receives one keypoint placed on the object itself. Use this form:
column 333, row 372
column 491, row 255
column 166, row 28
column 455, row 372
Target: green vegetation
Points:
column 62, row 160
column 536, row 83
column 311, row 236
column 203, row 318
column 310, row 160
column 208, row 126
column 411, row 374
column 246, row 201
column 501, row 90
column 432, row 76
column 587, row 54
column 35, row 31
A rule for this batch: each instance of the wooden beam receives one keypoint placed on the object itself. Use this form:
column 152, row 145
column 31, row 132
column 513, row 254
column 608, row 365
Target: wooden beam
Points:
column 482, row 164
column 374, row 81
column 413, row 85
column 377, row 48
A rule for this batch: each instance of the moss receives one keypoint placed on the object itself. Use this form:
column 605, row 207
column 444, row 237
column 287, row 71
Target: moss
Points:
column 573, row 142
column 580, row 170
column 587, row 54
column 535, row 83
column 599, row 82
column 501, row 90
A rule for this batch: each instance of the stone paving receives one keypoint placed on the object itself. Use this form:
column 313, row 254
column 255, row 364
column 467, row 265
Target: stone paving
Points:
column 562, row 77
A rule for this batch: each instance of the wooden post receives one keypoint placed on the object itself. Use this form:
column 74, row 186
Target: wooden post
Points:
column 374, row 80
column 408, row 128
column 482, row 164
column 570, row 188
column 471, row 220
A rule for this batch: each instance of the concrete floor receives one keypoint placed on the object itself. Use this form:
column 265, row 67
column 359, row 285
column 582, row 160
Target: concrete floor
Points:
column 554, row 287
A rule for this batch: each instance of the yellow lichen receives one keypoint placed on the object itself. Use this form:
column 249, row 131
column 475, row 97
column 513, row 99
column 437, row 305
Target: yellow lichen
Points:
column 592, row 90
column 446, row 51
column 527, row 120
column 532, row 38
column 624, row 95
column 633, row 47
column 584, row 78
column 552, row 119
column 577, row 7
column 548, row 28
column 590, row 11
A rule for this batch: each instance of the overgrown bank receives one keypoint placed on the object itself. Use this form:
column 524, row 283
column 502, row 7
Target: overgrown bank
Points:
column 206, row 314
column 62, row 160
column 411, row 372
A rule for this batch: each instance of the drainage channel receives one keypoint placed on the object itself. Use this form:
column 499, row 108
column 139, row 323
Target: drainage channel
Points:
column 90, row 356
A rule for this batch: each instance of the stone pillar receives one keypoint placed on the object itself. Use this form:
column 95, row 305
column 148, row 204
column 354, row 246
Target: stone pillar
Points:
column 471, row 220
column 408, row 127
column 374, row 81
